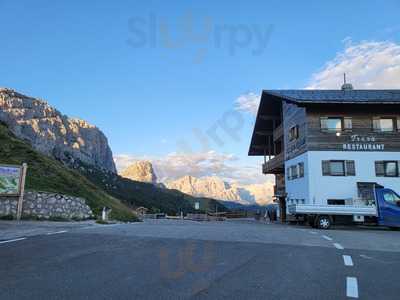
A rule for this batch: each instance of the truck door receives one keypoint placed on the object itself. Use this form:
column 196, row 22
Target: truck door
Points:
column 389, row 208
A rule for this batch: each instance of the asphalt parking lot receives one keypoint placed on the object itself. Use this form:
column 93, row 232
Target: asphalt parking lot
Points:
column 176, row 259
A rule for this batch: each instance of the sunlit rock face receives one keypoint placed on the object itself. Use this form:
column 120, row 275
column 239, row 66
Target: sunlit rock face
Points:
column 215, row 187
column 140, row 171
column 53, row 133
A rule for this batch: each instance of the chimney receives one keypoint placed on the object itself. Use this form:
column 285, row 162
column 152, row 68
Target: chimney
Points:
column 346, row 86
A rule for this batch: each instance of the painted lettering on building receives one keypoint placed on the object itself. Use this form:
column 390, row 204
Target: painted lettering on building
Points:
column 363, row 147
column 363, row 143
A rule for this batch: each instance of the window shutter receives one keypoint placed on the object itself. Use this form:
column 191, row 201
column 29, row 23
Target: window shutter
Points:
column 324, row 123
column 301, row 169
column 375, row 124
column 350, row 168
column 326, row 168
column 380, row 168
column 288, row 173
column 348, row 123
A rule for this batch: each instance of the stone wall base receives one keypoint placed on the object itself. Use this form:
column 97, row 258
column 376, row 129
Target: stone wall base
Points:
column 43, row 205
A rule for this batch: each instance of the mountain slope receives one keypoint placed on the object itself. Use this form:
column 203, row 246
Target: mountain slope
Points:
column 53, row 133
column 47, row 174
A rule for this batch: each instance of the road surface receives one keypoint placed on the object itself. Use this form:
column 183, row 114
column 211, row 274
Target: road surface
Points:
column 174, row 259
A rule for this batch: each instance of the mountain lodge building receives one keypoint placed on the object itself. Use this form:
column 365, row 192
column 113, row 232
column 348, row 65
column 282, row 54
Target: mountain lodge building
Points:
column 322, row 145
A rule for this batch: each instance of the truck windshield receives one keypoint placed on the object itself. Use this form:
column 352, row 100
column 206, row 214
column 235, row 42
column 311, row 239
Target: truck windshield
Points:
column 391, row 197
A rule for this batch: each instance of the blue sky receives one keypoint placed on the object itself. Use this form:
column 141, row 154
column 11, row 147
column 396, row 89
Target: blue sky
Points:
column 79, row 56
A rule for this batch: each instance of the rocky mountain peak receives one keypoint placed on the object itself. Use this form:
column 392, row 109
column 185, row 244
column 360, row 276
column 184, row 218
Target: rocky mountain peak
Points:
column 53, row 133
column 140, row 171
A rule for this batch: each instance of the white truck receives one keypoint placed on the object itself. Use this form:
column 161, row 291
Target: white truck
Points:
column 379, row 206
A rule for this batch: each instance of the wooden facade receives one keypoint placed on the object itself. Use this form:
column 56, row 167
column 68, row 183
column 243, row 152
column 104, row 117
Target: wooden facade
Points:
column 360, row 137
column 362, row 133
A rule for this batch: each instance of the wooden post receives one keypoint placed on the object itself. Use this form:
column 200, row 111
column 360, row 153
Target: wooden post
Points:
column 22, row 191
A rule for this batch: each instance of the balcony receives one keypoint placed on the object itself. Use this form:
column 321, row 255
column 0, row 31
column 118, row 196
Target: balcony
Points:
column 274, row 165
column 278, row 132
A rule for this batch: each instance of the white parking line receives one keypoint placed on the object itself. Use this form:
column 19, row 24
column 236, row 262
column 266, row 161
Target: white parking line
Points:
column 56, row 232
column 313, row 232
column 338, row 246
column 327, row 238
column 348, row 261
column 351, row 287
column 14, row 240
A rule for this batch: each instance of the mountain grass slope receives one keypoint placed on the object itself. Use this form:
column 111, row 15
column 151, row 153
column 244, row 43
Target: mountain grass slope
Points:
column 47, row 174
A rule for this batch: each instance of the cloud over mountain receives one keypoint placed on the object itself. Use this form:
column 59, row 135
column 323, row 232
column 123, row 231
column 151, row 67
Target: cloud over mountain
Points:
column 368, row 65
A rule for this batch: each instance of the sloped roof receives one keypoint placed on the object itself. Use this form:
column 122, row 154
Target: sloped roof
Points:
column 338, row 96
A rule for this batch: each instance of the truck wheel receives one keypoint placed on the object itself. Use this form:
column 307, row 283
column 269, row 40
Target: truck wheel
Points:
column 324, row 222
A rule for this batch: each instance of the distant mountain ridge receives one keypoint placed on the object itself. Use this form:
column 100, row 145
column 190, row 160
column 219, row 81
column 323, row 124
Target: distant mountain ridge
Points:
column 215, row 187
column 53, row 133
column 209, row 187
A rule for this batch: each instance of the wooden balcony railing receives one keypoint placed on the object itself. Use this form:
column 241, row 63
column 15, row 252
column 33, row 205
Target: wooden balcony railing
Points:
column 278, row 132
column 275, row 165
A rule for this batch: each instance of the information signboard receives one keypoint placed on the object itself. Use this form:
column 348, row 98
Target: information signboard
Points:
column 10, row 180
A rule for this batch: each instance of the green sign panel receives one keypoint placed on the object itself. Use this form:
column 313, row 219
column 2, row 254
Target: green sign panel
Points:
column 10, row 178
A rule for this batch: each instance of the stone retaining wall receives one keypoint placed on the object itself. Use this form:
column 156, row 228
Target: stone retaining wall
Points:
column 45, row 205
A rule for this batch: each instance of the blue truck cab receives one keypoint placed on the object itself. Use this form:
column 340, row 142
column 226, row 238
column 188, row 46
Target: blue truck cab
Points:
column 388, row 207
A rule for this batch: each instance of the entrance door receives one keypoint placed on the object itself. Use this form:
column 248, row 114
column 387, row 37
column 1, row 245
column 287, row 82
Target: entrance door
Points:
column 389, row 208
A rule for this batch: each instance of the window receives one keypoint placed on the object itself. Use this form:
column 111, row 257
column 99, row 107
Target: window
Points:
column 338, row 168
column 331, row 124
column 336, row 124
column 391, row 197
column 294, row 133
column 387, row 168
column 384, row 124
column 295, row 171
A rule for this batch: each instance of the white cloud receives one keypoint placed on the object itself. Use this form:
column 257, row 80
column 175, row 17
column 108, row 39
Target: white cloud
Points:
column 211, row 163
column 368, row 65
column 248, row 103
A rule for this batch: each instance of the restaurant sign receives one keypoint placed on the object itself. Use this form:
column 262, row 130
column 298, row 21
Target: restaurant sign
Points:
column 10, row 180
column 363, row 143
